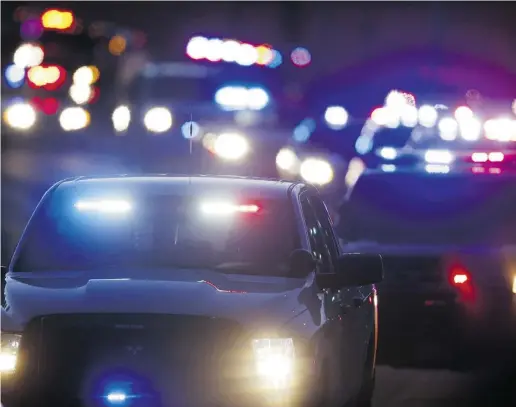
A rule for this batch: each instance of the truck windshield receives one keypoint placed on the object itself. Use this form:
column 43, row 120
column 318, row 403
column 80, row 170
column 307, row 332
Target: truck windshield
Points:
column 248, row 236
column 404, row 208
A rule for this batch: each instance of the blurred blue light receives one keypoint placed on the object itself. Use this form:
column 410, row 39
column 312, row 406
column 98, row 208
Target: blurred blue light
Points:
column 363, row 145
column 276, row 61
column 190, row 130
column 14, row 76
column 302, row 133
column 309, row 123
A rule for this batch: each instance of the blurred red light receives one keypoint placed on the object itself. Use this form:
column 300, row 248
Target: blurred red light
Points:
column 50, row 106
column 496, row 157
column 95, row 95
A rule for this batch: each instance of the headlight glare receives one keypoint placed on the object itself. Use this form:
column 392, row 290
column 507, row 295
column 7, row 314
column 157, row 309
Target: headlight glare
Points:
column 9, row 352
column 274, row 359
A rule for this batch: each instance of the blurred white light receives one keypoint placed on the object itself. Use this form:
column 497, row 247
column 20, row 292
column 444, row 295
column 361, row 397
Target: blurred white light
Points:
column 21, row 116
column 121, row 118
column 409, row 116
column 197, row 47
column 81, row 93
column 190, row 130
column 158, row 119
column 503, row 129
column 214, row 50
column 286, row 160
column 116, row 397
column 336, row 117
column 14, row 75
column 231, row 146
column 247, row 55
column 380, row 116
column 479, row 157
column 111, row 206
column 463, row 113
column 83, row 76
column 28, row 55
column 393, row 119
column 316, row 171
column 395, row 100
column 496, row 157
column 388, row 153
column 230, row 50
column 257, row 99
column 231, row 97
column 427, row 116
column 448, row 128
column 439, row 157
column 74, row 118
column 470, row 129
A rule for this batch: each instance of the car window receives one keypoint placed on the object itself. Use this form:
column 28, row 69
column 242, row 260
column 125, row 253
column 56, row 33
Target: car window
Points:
column 322, row 214
column 316, row 235
column 162, row 231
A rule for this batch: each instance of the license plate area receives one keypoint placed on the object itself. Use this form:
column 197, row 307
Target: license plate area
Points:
column 156, row 358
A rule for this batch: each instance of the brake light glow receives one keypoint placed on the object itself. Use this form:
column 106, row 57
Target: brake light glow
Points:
column 460, row 278
column 225, row 208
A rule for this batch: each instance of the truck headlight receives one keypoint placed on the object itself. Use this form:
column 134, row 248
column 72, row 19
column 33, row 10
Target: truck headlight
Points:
column 9, row 352
column 274, row 359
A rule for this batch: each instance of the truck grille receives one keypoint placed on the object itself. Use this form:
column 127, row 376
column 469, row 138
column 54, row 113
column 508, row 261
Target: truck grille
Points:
column 165, row 360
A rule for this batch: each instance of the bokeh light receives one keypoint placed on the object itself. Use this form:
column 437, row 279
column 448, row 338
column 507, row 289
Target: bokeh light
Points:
column 57, row 20
column 231, row 146
column 40, row 76
column 287, row 160
column 121, row 118
column 20, row 116
column 190, row 130
column 158, row 120
column 336, row 117
column 316, row 171
column 86, row 75
column 31, row 29
column 300, row 57
column 74, row 118
column 232, row 51
column 28, row 55
column 427, row 116
column 81, row 93
column 117, row 45
column 15, row 76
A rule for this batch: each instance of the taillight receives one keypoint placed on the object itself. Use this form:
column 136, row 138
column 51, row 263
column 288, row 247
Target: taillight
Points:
column 460, row 278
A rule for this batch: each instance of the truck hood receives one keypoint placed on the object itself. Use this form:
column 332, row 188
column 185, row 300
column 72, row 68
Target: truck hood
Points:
column 250, row 300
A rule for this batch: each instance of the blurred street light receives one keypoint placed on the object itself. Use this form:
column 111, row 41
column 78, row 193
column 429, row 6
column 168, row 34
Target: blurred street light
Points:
column 86, row 75
column 20, row 116
column 241, row 98
column 117, row 45
column 287, row 160
column 28, row 55
column 231, row 146
column 158, row 120
column 316, row 171
column 336, row 117
column 121, row 118
column 427, row 116
column 81, row 93
column 74, row 118
column 15, row 76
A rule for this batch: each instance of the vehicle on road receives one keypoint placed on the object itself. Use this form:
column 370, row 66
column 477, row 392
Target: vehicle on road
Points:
column 448, row 242
column 187, row 290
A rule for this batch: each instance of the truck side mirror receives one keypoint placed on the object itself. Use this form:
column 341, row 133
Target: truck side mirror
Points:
column 302, row 263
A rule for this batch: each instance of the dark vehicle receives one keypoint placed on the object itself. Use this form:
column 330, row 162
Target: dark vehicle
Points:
column 448, row 243
column 140, row 289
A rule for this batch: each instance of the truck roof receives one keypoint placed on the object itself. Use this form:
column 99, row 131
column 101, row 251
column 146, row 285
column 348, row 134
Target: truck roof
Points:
column 182, row 184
